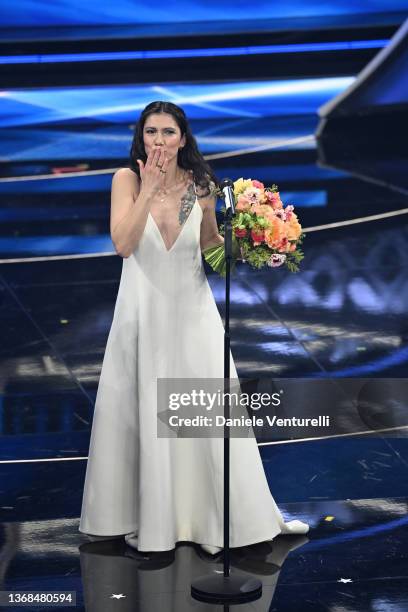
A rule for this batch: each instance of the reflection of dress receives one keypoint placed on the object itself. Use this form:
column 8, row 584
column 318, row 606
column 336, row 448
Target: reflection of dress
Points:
column 161, row 585
column 166, row 324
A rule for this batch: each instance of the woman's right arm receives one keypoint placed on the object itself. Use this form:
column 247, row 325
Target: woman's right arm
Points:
column 130, row 204
column 127, row 220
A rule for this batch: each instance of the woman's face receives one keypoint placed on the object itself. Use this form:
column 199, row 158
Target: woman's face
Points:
column 161, row 131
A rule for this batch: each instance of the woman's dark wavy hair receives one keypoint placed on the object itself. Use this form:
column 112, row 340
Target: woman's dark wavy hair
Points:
column 189, row 157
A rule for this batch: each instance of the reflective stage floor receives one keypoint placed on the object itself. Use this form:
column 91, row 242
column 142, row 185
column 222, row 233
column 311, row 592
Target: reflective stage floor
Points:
column 353, row 559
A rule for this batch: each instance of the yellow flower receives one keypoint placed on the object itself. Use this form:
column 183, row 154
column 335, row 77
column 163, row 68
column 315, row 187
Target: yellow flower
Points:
column 240, row 185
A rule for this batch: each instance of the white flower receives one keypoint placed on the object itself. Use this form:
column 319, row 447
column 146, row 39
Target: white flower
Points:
column 276, row 260
column 288, row 212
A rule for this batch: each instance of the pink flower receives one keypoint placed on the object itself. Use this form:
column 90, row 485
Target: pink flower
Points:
column 240, row 232
column 276, row 260
column 283, row 245
column 274, row 200
column 257, row 236
column 258, row 184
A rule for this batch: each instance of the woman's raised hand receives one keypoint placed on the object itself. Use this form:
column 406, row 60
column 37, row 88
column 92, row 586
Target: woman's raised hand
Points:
column 153, row 172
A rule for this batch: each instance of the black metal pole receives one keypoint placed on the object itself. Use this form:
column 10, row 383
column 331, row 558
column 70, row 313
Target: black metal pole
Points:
column 231, row 587
column 228, row 254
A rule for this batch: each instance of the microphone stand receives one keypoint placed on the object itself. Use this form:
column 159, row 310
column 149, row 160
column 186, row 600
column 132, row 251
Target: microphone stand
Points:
column 231, row 587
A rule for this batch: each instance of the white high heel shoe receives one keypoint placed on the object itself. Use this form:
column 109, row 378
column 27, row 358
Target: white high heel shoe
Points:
column 131, row 539
column 294, row 527
column 212, row 550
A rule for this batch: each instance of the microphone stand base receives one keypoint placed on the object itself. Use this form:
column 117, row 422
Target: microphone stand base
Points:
column 233, row 589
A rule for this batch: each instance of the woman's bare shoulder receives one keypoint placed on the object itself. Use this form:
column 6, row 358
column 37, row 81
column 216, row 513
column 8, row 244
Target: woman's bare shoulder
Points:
column 125, row 181
column 206, row 195
column 126, row 174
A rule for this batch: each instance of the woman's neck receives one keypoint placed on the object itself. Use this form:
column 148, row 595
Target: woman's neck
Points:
column 174, row 175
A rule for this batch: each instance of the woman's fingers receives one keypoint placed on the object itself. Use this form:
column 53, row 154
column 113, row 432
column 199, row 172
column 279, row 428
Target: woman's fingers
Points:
column 153, row 172
column 141, row 168
column 165, row 163
column 157, row 157
column 162, row 157
column 157, row 160
column 152, row 158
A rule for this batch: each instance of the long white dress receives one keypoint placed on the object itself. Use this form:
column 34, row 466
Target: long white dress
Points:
column 166, row 324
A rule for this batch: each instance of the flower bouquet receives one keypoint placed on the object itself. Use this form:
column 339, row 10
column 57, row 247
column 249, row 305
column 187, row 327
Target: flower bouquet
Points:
column 264, row 231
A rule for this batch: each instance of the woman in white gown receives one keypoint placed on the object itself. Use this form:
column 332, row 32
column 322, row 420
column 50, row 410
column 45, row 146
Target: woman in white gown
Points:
column 158, row 491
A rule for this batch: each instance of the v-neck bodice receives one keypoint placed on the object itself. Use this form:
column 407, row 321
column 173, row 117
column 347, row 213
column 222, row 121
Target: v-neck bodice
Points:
column 150, row 216
column 186, row 209
column 169, row 271
column 152, row 246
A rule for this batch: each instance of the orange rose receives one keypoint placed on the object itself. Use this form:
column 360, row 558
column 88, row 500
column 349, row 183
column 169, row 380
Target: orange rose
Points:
column 275, row 233
column 293, row 228
column 243, row 203
column 263, row 210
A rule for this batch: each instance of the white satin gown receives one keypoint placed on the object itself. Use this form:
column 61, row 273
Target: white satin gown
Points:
column 166, row 490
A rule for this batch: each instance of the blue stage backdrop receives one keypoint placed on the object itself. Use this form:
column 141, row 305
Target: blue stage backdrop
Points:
column 122, row 103
column 29, row 13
